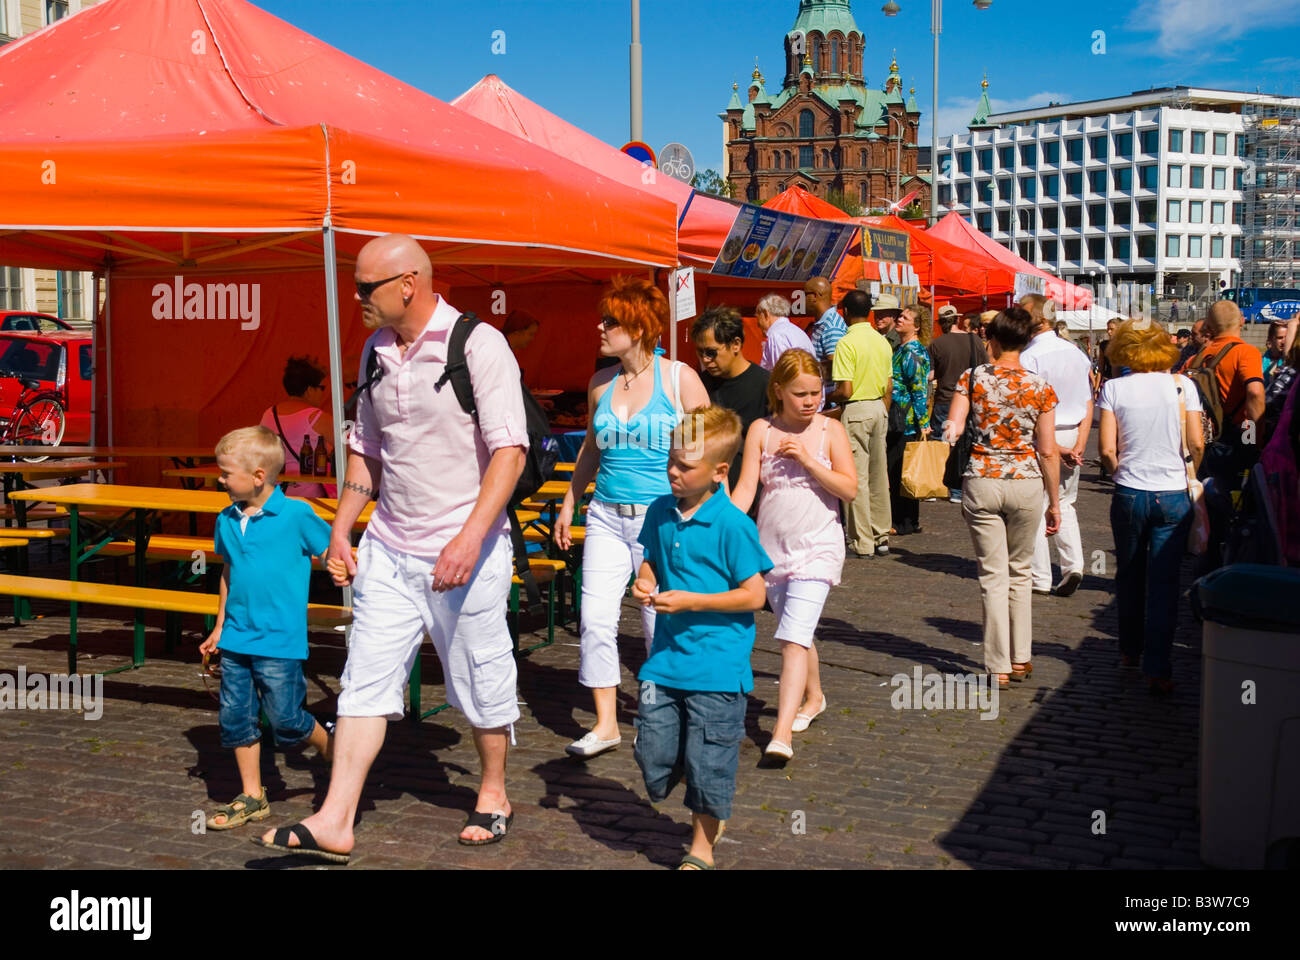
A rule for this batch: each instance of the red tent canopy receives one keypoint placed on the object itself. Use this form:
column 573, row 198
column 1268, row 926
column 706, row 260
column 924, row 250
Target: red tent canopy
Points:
column 953, row 271
column 957, row 230
column 799, row 201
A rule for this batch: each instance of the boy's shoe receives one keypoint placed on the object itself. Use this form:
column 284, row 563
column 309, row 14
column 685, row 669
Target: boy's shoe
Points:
column 591, row 745
column 252, row 808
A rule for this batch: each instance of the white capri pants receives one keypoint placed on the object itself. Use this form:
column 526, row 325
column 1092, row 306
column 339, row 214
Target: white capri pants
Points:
column 394, row 605
column 609, row 559
column 798, row 608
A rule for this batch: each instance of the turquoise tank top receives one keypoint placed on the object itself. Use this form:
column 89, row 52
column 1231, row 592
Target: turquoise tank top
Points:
column 634, row 453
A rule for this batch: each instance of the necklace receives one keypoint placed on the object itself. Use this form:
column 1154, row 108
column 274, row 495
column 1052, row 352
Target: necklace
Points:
column 627, row 380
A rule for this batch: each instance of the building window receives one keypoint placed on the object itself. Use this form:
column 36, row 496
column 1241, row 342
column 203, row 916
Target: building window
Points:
column 1238, row 212
column 1050, row 182
column 1028, row 188
column 945, row 194
column 1097, row 181
column 1073, row 221
column 1238, row 179
column 751, row 192
column 1194, row 247
column 1149, row 177
column 1123, row 178
column 1198, row 178
column 1026, row 250
column 1241, row 145
column 1121, row 213
column 1025, row 217
column 1051, row 152
column 835, row 57
column 1097, row 147
column 862, row 159
column 1171, row 246
column 1007, row 158
column 1073, row 184
column 1004, row 221
column 69, row 284
column 806, row 121
column 1148, row 211
column 1074, row 150
column 1049, row 251
column 1176, row 176
column 862, row 194
column 1028, row 155
column 984, row 222
column 11, row 288
column 1198, row 144
column 1051, row 218
column 984, row 191
column 1195, row 211
column 826, row 159
column 963, row 194
column 1219, row 178
column 1216, row 247
column 1119, row 248
column 806, row 157
column 1175, row 144
column 1097, row 248
column 1218, row 210
column 1147, row 247
column 1175, row 211
column 1149, row 142
column 1236, row 247
column 963, row 162
column 55, row 10
column 1124, row 145
column 780, row 188
column 1004, row 189
column 1071, row 248
column 1221, row 144
column 986, row 160
column 1097, row 215
column 789, row 160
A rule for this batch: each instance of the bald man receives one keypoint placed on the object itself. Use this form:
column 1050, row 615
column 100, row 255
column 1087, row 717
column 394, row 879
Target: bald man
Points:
column 1239, row 368
column 436, row 555
column 826, row 331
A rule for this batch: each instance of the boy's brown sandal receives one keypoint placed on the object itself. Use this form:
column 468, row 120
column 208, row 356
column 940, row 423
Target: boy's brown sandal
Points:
column 240, row 810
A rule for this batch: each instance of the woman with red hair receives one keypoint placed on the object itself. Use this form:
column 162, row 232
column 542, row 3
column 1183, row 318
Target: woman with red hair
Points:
column 633, row 407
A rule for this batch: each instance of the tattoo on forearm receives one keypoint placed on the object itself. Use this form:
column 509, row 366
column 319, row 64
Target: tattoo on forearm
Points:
column 364, row 491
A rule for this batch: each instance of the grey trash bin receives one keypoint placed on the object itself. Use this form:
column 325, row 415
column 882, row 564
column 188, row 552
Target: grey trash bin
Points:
column 1250, row 752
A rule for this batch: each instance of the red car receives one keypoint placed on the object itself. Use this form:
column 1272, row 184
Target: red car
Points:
column 31, row 321
column 40, row 370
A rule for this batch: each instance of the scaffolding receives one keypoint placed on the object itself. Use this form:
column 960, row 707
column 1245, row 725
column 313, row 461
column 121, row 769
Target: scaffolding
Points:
column 1270, row 255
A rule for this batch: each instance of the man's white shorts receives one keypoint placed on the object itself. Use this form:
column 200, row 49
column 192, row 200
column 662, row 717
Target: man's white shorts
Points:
column 394, row 605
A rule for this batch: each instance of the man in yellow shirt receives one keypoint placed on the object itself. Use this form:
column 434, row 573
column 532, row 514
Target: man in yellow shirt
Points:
column 863, row 373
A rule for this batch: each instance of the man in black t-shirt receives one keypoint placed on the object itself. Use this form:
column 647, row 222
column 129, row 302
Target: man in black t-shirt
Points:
column 731, row 380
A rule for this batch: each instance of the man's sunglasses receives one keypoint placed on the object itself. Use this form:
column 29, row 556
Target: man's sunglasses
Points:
column 707, row 353
column 609, row 323
column 364, row 289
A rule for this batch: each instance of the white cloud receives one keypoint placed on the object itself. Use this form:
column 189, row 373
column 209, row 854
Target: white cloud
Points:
column 956, row 113
column 1199, row 26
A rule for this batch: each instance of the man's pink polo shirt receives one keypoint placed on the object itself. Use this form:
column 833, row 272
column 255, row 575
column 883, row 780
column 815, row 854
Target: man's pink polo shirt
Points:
column 433, row 458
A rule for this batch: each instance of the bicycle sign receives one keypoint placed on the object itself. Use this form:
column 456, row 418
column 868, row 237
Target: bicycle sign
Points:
column 676, row 161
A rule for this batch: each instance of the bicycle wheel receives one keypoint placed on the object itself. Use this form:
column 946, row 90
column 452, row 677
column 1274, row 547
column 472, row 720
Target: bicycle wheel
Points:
column 39, row 421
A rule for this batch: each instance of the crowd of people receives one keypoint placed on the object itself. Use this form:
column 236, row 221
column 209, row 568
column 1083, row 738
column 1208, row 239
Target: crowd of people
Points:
column 718, row 492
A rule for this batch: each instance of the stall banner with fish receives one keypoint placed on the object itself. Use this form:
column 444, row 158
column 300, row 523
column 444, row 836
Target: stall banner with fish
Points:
column 767, row 244
column 887, row 265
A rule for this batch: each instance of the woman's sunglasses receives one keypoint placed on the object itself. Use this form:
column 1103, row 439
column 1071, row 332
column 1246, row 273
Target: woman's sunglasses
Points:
column 365, row 289
column 609, row 323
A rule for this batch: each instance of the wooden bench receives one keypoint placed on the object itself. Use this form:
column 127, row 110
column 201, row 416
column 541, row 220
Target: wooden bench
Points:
column 7, row 542
column 140, row 598
column 165, row 546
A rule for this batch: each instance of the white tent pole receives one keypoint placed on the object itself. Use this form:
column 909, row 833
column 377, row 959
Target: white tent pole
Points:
column 94, row 342
column 108, row 348
column 336, row 349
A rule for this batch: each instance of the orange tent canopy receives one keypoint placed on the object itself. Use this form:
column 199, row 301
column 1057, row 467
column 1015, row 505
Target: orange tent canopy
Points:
column 799, row 201
column 178, row 117
column 953, row 271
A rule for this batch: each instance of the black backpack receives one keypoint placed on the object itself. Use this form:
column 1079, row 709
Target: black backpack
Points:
column 542, row 455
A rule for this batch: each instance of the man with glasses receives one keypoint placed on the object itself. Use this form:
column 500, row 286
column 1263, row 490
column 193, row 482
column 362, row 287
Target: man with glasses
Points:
column 436, row 555
column 731, row 380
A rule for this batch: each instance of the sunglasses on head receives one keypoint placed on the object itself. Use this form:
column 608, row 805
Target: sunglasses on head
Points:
column 365, row 289
column 609, row 323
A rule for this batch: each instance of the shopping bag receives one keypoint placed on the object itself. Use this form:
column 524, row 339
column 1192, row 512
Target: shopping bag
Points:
column 923, row 466
column 1198, row 537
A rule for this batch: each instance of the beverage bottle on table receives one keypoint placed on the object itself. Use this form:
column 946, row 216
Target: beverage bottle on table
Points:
column 306, row 462
column 322, row 458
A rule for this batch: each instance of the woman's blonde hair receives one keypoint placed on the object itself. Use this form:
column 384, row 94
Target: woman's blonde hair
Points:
column 793, row 363
column 1142, row 346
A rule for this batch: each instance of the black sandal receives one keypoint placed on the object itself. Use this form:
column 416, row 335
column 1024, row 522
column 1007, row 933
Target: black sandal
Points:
column 497, row 824
column 306, row 844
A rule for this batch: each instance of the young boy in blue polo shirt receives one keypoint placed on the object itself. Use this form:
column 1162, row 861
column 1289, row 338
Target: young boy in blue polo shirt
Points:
column 703, row 556
column 268, row 542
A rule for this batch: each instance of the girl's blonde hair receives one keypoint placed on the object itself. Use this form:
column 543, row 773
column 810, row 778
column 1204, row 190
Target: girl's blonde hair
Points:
column 793, row 363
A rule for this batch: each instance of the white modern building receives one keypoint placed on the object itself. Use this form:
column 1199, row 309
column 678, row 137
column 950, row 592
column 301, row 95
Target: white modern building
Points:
column 1149, row 188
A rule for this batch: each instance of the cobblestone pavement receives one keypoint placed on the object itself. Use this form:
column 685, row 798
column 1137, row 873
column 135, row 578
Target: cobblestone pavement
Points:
column 870, row 786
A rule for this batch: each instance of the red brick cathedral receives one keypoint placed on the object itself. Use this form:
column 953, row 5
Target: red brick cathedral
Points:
column 826, row 130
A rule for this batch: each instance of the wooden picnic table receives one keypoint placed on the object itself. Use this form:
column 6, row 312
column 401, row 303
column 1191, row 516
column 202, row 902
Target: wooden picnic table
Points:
column 137, row 504
column 209, row 472
column 57, row 469
column 113, row 452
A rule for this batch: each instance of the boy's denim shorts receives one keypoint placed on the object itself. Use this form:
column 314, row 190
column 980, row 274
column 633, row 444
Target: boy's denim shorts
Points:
column 691, row 734
column 274, row 685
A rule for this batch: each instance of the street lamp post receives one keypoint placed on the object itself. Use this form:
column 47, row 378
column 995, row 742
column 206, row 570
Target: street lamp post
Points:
column 891, row 9
column 898, row 155
column 634, row 69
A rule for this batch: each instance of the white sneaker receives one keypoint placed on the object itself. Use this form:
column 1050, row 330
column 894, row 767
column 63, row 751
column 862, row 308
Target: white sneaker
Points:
column 1069, row 583
column 590, row 745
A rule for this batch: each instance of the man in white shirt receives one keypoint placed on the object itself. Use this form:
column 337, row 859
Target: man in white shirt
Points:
column 1069, row 373
column 780, row 335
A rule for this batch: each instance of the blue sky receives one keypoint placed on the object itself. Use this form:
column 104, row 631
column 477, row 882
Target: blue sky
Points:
column 571, row 56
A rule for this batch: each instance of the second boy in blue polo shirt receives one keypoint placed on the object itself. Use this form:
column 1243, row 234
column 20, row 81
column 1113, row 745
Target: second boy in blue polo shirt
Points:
column 703, row 573
column 268, row 542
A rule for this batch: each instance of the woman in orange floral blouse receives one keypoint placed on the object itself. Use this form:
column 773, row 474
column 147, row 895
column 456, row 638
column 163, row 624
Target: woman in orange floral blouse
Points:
column 1014, row 461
